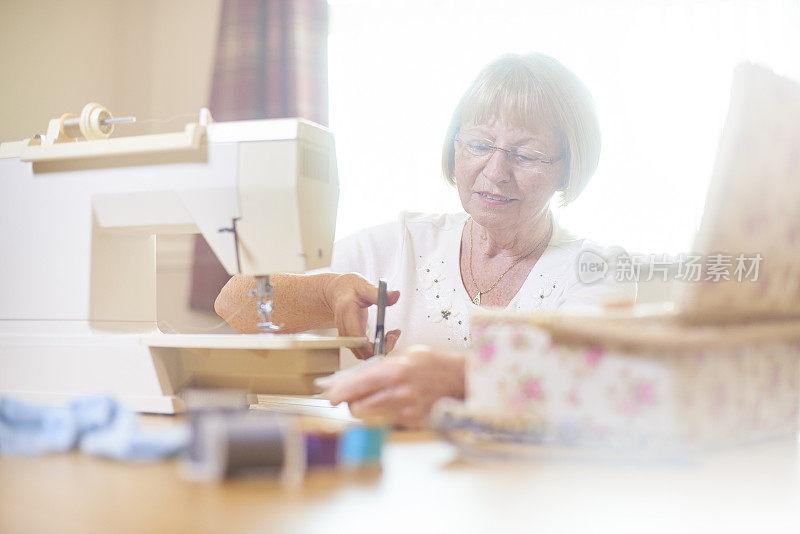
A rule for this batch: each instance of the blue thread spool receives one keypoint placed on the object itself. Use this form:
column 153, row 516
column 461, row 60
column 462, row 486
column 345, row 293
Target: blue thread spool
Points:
column 360, row 445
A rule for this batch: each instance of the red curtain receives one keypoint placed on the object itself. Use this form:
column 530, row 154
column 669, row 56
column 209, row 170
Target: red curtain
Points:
column 271, row 62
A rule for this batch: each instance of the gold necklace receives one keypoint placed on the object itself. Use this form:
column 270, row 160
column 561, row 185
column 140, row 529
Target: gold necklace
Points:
column 477, row 299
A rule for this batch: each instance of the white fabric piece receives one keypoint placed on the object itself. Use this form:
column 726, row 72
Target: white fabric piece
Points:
column 419, row 255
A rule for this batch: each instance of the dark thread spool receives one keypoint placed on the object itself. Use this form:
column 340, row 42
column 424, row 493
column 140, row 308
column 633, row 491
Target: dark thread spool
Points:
column 202, row 403
column 255, row 445
column 228, row 445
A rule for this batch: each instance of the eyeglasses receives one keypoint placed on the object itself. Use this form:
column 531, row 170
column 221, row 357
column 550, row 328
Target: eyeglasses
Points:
column 520, row 156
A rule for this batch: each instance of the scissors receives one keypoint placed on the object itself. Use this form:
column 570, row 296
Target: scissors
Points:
column 380, row 333
column 378, row 349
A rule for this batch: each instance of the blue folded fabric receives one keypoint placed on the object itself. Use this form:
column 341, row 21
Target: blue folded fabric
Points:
column 99, row 426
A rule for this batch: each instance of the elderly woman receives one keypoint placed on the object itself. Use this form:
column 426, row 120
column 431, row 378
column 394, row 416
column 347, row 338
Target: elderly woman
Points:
column 523, row 132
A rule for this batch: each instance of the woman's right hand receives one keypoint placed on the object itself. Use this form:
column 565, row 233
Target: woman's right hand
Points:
column 348, row 296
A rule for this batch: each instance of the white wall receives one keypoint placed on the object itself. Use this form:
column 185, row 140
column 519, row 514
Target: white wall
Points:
column 148, row 58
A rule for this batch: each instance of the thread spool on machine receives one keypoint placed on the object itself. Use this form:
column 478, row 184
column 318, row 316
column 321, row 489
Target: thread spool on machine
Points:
column 94, row 123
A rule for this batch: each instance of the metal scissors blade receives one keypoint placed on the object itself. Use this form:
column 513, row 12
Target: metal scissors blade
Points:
column 380, row 334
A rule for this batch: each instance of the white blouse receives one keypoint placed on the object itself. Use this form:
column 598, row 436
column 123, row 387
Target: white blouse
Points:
column 419, row 255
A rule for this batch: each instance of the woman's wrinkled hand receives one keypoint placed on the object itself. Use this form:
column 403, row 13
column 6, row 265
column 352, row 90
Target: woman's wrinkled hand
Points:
column 402, row 389
column 348, row 296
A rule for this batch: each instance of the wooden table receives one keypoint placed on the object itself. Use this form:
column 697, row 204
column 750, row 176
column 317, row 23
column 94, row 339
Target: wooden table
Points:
column 424, row 487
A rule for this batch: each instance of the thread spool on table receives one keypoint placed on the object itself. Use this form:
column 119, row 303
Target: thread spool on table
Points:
column 227, row 444
column 230, row 443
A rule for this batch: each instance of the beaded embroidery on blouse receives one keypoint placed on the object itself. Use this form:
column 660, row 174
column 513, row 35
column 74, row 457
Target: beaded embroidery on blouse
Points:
column 440, row 298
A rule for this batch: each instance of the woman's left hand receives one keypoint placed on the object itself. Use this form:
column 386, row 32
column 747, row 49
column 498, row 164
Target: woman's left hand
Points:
column 402, row 389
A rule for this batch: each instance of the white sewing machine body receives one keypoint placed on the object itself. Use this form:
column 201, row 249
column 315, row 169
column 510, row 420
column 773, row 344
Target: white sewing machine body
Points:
column 78, row 271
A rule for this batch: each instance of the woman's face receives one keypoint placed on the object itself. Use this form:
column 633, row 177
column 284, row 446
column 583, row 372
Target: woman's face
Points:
column 496, row 192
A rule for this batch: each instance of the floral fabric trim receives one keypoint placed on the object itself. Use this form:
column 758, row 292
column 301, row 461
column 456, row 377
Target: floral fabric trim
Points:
column 518, row 379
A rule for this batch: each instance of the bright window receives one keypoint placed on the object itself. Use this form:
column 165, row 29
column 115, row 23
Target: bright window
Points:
column 660, row 73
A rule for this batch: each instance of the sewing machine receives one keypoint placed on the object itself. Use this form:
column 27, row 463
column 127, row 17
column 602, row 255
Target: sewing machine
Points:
column 81, row 212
